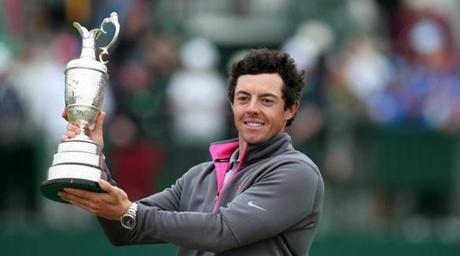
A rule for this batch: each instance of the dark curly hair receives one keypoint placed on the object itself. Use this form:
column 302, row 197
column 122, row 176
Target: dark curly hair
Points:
column 263, row 60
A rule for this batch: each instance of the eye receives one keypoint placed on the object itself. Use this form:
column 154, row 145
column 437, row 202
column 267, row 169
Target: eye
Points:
column 242, row 99
column 267, row 101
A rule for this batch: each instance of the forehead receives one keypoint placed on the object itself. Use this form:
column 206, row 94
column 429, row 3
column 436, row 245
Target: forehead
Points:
column 260, row 83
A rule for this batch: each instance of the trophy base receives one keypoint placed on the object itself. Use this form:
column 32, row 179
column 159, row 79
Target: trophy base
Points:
column 50, row 188
column 77, row 164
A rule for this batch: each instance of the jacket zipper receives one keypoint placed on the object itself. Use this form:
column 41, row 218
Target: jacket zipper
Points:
column 217, row 198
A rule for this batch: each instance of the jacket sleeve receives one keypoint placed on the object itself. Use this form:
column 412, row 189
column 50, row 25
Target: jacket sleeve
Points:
column 167, row 200
column 280, row 199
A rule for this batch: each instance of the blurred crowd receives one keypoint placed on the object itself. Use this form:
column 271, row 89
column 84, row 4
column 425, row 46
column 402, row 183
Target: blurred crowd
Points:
column 380, row 111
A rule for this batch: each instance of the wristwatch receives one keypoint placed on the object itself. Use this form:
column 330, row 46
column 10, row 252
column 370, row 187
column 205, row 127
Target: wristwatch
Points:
column 128, row 219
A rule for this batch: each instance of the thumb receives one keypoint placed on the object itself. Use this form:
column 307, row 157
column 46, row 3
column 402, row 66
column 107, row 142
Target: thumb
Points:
column 106, row 186
column 99, row 121
column 64, row 115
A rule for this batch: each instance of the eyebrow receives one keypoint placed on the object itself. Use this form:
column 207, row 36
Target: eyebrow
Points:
column 272, row 95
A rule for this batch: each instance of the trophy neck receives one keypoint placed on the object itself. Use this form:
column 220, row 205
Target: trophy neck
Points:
column 88, row 53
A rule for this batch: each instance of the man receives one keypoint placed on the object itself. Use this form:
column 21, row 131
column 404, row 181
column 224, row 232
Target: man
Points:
column 258, row 196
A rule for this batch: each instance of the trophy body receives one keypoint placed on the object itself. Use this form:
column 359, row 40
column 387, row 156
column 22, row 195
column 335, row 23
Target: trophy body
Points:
column 78, row 162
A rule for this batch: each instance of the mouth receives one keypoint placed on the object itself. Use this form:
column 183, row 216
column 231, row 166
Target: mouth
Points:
column 254, row 124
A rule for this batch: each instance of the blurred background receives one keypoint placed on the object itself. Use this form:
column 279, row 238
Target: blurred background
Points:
column 380, row 113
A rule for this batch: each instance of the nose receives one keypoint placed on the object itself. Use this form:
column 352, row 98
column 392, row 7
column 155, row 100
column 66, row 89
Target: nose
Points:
column 253, row 107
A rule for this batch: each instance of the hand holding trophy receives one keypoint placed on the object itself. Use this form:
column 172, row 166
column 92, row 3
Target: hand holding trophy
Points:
column 78, row 162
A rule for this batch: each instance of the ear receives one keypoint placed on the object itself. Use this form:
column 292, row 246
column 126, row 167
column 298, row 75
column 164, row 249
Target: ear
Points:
column 290, row 112
column 231, row 105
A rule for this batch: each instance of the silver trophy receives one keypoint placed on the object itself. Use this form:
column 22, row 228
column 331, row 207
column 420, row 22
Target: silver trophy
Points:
column 78, row 162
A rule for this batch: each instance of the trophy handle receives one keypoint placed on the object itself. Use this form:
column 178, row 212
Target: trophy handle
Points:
column 114, row 20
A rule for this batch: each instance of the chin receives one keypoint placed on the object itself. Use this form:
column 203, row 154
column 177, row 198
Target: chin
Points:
column 253, row 139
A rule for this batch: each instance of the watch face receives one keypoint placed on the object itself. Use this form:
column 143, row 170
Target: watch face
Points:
column 128, row 221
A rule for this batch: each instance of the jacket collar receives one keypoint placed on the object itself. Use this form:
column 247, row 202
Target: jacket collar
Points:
column 274, row 146
column 222, row 150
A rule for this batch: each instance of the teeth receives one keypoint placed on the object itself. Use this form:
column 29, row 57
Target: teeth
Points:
column 251, row 124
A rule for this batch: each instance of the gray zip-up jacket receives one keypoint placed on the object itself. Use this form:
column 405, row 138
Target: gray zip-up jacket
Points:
column 269, row 206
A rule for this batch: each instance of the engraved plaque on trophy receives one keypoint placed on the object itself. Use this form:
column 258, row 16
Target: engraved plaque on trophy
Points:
column 78, row 162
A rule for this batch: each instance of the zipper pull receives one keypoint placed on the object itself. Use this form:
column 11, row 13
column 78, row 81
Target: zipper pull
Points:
column 222, row 160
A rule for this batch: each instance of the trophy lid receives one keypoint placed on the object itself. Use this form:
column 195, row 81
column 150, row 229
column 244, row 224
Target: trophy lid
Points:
column 87, row 63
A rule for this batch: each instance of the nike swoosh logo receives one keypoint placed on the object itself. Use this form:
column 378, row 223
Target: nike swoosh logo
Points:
column 252, row 204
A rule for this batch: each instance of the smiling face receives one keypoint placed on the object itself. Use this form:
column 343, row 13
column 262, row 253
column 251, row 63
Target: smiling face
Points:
column 258, row 108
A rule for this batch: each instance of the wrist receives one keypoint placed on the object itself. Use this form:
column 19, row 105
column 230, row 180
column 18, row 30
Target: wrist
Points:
column 125, row 207
column 128, row 219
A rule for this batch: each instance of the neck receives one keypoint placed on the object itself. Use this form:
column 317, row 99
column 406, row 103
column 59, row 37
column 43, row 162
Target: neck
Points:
column 243, row 145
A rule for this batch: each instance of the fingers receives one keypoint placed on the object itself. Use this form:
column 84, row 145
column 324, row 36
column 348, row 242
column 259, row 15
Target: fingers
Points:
column 80, row 193
column 99, row 121
column 68, row 135
column 92, row 205
column 100, row 204
column 111, row 197
column 86, row 199
column 74, row 128
column 75, row 201
column 73, row 198
column 72, row 131
column 95, row 133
